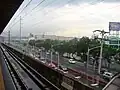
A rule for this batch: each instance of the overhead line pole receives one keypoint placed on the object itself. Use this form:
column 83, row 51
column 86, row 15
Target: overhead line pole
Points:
column 8, row 37
column 20, row 29
column 102, row 32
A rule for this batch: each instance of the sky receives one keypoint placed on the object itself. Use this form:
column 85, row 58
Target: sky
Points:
column 70, row 18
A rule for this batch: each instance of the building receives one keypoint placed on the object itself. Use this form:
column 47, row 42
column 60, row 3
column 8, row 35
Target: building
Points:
column 1, row 39
column 114, row 41
column 53, row 37
column 114, row 36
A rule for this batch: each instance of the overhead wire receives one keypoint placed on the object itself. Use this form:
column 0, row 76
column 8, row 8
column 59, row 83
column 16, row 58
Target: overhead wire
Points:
column 20, row 13
column 34, row 8
column 47, row 12
column 40, row 9
column 52, row 10
column 90, row 13
column 63, row 15
column 27, row 13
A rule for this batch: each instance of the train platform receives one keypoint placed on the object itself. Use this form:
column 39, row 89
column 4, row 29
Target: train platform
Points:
column 1, row 80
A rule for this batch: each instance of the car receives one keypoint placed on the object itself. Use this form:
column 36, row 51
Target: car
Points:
column 103, row 70
column 77, row 77
column 47, row 53
column 42, row 58
column 43, row 61
column 72, row 61
column 36, row 58
column 107, row 75
column 52, row 65
column 63, row 68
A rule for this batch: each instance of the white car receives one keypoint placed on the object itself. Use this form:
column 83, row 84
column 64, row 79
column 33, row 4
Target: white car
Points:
column 72, row 61
column 43, row 61
column 52, row 65
column 42, row 58
column 47, row 53
column 36, row 58
column 107, row 75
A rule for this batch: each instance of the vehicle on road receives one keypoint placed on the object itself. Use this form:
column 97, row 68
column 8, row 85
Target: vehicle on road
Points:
column 103, row 71
column 47, row 53
column 43, row 61
column 52, row 65
column 107, row 75
column 63, row 68
column 36, row 58
column 42, row 58
column 77, row 77
column 72, row 61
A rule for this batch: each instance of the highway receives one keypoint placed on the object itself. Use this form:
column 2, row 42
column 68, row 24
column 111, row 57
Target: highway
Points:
column 78, row 66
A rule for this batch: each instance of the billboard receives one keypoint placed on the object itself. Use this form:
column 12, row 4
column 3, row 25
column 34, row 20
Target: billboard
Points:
column 114, row 26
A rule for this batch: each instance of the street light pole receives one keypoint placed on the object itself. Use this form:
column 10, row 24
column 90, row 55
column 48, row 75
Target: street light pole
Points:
column 88, row 52
column 45, row 56
column 57, row 54
column 51, row 53
column 102, row 32
column 58, row 60
column 100, row 60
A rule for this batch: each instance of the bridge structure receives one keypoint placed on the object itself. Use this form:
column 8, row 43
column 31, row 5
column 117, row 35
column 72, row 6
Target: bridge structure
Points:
column 40, row 74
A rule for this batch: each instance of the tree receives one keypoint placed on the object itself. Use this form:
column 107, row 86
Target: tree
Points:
column 39, row 43
column 107, row 53
column 82, row 47
column 47, row 44
column 32, row 42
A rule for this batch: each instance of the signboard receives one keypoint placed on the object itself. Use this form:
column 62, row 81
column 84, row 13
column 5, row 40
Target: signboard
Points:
column 114, row 26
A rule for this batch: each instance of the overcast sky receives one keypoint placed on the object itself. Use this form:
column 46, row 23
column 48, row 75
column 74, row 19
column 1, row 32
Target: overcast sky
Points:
column 75, row 18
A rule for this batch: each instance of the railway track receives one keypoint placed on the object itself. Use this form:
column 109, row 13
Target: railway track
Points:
column 23, row 75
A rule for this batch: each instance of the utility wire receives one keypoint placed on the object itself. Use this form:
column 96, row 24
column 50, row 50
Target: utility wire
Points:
column 82, row 8
column 63, row 15
column 34, row 8
column 21, row 11
column 48, row 12
column 27, row 13
column 52, row 10
column 39, row 9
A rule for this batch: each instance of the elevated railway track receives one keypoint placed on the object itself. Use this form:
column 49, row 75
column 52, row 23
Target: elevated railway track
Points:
column 23, row 75
column 50, row 76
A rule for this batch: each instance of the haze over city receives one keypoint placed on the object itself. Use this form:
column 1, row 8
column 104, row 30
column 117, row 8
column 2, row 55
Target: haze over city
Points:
column 70, row 18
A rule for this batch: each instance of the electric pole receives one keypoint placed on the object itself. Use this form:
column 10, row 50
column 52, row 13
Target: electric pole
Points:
column 102, row 32
column 20, row 29
column 8, row 37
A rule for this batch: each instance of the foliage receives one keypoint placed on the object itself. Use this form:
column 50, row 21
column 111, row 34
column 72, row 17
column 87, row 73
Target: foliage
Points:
column 79, row 46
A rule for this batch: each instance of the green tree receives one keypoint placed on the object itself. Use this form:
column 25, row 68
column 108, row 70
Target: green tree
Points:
column 32, row 42
column 47, row 44
column 107, row 53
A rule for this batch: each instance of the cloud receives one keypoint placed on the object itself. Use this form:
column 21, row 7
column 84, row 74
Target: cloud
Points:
column 77, row 18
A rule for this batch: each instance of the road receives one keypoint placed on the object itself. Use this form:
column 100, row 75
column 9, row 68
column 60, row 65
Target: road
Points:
column 78, row 66
column 64, row 62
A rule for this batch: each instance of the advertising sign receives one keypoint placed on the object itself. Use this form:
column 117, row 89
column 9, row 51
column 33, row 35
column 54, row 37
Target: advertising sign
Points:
column 114, row 26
